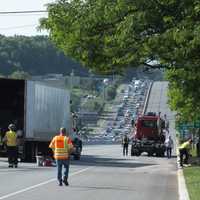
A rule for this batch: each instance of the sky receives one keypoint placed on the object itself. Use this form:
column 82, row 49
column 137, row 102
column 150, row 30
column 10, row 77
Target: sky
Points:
column 22, row 24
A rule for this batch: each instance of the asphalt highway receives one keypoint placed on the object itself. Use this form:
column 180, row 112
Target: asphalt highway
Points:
column 102, row 173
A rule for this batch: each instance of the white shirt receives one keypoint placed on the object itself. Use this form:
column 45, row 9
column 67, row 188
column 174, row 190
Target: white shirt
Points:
column 169, row 143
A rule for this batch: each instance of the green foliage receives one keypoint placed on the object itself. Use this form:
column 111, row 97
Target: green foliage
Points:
column 192, row 177
column 184, row 93
column 111, row 92
column 108, row 35
column 34, row 55
column 75, row 102
column 20, row 75
column 94, row 105
column 76, row 96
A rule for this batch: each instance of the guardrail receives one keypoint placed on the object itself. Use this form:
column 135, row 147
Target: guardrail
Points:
column 147, row 98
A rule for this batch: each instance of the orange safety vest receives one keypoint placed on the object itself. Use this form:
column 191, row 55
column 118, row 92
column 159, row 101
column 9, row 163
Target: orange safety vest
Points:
column 61, row 146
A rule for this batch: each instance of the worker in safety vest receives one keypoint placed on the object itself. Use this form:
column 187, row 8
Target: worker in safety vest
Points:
column 62, row 147
column 184, row 151
column 10, row 139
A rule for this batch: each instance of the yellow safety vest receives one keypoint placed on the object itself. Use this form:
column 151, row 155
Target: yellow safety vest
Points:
column 11, row 138
column 61, row 146
column 185, row 145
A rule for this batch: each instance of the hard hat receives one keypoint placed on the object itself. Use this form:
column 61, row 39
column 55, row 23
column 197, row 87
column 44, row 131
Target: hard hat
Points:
column 11, row 127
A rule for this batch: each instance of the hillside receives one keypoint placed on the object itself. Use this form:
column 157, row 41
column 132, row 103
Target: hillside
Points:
column 35, row 55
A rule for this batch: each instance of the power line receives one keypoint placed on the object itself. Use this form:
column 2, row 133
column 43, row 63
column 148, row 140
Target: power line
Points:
column 22, row 12
column 18, row 27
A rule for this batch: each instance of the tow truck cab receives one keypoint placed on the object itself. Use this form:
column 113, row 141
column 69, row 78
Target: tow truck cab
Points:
column 148, row 136
column 146, row 127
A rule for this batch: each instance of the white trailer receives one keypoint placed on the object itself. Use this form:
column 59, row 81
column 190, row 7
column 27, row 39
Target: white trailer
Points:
column 37, row 109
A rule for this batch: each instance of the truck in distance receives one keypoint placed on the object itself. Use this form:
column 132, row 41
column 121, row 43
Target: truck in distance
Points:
column 148, row 136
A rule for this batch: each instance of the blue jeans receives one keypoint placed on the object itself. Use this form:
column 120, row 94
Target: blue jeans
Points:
column 61, row 163
column 169, row 152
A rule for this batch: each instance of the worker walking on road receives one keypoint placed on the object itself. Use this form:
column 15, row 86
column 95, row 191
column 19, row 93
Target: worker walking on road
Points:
column 169, row 146
column 125, row 143
column 184, row 152
column 10, row 139
column 62, row 147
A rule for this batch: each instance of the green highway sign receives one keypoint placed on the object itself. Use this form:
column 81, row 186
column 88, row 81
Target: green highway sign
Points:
column 197, row 124
column 185, row 126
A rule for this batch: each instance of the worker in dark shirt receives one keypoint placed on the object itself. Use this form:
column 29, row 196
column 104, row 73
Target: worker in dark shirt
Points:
column 125, row 143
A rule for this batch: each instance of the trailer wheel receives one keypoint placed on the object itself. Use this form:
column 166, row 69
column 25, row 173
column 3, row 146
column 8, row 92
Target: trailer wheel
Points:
column 150, row 153
column 132, row 152
column 163, row 154
column 138, row 153
column 135, row 152
column 160, row 154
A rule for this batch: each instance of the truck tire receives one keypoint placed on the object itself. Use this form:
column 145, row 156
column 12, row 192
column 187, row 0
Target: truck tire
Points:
column 135, row 152
column 138, row 153
column 132, row 152
column 150, row 153
column 160, row 153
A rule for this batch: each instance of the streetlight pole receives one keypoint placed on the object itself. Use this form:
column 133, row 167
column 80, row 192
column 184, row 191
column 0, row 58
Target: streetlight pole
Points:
column 71, row 79
column 105, row 83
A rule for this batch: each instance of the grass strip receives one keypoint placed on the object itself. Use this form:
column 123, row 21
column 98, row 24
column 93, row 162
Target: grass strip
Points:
column 192, row 177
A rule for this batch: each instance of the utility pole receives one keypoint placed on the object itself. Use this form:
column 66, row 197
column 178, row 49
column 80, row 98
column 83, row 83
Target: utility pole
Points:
column 71, row 79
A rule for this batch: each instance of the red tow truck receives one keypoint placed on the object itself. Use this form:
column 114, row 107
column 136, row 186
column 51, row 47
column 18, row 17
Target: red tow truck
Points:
column 148, row 136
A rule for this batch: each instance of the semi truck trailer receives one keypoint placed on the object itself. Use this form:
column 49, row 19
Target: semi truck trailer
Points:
column 37, row 110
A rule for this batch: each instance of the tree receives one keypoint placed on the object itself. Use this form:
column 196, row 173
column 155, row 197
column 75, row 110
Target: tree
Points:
column 20, row 75
column 184, row 93
column 109, row 35
column 35, row 55
column 113, row 34
column 111, row 92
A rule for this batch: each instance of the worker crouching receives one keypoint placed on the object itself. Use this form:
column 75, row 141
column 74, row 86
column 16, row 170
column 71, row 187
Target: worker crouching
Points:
column 184, row 152
column 62, row 147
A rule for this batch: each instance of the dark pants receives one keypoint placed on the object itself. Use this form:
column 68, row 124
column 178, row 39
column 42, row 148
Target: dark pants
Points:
column 12, row 155
column 169, row 152
column 183, row 154
column 61, row 163
column 125, row 149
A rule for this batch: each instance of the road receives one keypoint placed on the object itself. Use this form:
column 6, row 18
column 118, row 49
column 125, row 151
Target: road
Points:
column 158, row 103
column 102, row 173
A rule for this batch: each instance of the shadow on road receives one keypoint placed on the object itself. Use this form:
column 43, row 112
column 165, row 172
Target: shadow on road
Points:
column 108, row 162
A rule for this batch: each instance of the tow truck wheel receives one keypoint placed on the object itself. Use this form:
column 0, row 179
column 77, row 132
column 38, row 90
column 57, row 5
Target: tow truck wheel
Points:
column 132, row 153
column 150, row 153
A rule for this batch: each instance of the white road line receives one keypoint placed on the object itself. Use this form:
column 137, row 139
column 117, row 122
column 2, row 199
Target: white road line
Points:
column 182, row 188
column 40, row 184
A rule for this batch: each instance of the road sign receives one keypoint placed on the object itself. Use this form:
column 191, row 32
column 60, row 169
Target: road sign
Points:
column 187, row 125
column 197, row 124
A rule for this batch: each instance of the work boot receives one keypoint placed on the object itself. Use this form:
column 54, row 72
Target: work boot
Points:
column 65, row 181
column 10, row 166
